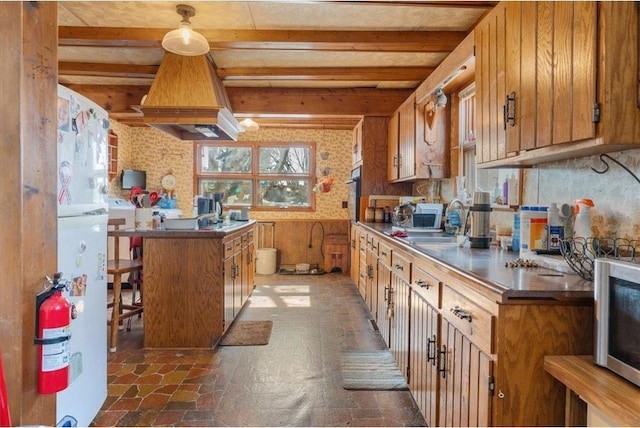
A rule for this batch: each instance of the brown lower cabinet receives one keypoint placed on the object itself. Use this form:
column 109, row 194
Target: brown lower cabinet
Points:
column 472, row 358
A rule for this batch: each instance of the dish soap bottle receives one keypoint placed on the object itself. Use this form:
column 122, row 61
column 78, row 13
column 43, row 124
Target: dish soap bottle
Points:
column 582, row 224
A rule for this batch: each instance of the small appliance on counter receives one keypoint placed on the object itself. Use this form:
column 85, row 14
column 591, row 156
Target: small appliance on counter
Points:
column 480, row 213
column 418, row 217
column 211, row 203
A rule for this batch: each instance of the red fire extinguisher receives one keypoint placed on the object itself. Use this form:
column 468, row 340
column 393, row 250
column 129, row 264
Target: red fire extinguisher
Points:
column 53, row 319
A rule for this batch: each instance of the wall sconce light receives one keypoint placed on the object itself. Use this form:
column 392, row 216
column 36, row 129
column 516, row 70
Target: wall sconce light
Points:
column 183, row 40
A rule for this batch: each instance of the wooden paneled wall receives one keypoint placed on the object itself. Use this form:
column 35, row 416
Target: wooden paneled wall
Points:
column 299, row 241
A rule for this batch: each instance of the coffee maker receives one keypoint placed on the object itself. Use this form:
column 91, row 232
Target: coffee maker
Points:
column 211, row 203
column 480, row 213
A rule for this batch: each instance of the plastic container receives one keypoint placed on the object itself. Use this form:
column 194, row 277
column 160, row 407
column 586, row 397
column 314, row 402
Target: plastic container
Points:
column 527, row 240
column 266, row 261
column 582, row 224
column 515, row 237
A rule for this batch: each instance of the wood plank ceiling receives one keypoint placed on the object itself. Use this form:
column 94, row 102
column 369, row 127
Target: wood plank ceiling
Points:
column 284, row 63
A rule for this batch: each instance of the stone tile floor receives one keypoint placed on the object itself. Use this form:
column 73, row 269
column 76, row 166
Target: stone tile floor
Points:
column 295, row 380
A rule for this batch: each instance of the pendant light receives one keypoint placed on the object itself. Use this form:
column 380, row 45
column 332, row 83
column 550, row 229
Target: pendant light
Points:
column 183, row 40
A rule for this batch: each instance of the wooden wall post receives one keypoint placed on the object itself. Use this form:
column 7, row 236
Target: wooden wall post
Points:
column 28, row 230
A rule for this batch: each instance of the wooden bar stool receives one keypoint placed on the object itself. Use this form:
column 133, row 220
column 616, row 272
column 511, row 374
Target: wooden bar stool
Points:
column 117, row 267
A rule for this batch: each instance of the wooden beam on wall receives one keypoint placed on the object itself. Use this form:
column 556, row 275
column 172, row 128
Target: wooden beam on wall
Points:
column 28, row 82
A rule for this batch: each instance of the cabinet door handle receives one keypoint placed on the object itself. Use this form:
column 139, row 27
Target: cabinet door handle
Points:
column 510, row 109
column 383, row 253
column 461, row 313
column 422, row 283
column 442, row 369
column 386, row 294
column 431, row 345
column 395, row 161
column 399, row 266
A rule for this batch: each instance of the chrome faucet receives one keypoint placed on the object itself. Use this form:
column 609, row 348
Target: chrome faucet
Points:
column 456, row 205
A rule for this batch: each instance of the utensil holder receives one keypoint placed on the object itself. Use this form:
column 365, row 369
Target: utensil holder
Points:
column 143, row 219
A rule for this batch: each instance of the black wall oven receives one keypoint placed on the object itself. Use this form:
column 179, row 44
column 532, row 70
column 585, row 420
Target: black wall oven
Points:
column 355, row 190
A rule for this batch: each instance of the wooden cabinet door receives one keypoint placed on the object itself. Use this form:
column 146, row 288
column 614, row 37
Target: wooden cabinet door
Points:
column 383, row 303
column 407, row 139
column 399, row 322
column 466, row 380
column 393, row 135
column 228, row 291
column 354, row 268
column 490, row 85
column 423, row 346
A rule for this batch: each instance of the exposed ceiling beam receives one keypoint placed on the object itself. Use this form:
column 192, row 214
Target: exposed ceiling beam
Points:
column 364, row 41
column 255, row 73
column 266, row 101
column 107, row 70
column 361, row 101
column 326, row 73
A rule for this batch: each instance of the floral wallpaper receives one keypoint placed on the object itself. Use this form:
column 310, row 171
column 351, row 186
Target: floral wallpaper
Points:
column 158, row 154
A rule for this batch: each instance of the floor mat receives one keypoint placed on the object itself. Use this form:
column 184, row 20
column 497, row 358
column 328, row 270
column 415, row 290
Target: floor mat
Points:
column 245, row 333
column 371, row 370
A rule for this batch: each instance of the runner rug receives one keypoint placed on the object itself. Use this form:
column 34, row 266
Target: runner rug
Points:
column 371, row 370
column 243, row 333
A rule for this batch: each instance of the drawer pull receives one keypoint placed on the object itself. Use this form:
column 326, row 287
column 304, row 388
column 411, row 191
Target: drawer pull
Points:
column 384, row 253
column 461, row 313
column 431, row 357
column 399, row 266
column 442, row 369
column 422, row 283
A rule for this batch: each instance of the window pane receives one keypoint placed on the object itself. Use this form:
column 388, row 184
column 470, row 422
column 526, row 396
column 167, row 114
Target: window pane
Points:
column 285, row 193
column 226, row 159
column 236, row 192
column 284, row 160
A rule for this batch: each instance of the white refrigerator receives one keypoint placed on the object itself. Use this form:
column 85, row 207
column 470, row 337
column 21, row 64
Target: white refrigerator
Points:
column 82, row 249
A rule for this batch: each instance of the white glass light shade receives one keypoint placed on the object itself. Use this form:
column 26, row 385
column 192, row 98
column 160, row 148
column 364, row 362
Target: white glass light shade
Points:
column 185, row 41
column 249, row 124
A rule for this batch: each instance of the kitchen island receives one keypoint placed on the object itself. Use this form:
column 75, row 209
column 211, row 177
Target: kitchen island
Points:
column 195, row 282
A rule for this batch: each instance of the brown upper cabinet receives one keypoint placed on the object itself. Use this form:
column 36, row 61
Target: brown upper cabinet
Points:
column 556, row 80
column 420, row 130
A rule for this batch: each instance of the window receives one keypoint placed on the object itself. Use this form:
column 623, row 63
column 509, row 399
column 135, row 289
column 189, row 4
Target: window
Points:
column 259, row 175
column 467, row 134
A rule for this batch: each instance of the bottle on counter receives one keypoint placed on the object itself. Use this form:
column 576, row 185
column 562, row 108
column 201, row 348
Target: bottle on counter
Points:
column 387, row 214
column 555, row 230
column 582, row 224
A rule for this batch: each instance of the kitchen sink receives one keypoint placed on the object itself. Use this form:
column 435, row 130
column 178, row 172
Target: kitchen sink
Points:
column 429, row 239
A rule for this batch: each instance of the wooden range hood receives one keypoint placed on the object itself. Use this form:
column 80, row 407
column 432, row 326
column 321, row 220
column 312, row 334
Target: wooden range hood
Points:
column 187, row 100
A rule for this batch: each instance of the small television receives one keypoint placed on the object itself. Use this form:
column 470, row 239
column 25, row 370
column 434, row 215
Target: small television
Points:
column 132, row 178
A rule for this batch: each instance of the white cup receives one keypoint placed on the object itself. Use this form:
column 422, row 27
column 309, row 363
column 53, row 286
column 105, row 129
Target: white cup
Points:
column 144, row 219
column 461, row 239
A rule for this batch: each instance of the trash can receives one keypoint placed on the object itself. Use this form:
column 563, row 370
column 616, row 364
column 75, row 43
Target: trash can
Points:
column 266, row 261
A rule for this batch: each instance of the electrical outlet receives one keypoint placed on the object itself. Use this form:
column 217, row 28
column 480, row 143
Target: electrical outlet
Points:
column 345, row 204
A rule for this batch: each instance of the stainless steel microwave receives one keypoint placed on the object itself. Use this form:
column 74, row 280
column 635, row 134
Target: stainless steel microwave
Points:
column 617, row 317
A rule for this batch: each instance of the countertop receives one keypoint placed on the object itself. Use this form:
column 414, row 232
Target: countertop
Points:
column 219, row 231
column 487, row 267
column 611, row 394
